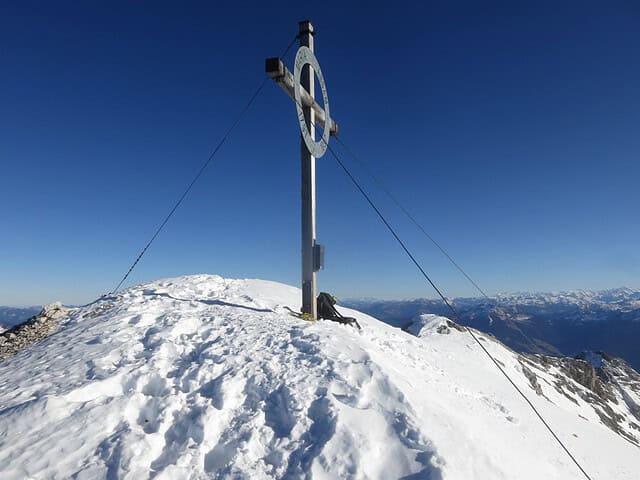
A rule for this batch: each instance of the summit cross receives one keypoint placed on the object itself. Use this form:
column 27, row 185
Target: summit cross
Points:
column 300, row 87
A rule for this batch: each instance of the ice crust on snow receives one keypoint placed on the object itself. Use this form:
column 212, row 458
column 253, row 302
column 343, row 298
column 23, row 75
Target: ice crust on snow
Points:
column 205, row 377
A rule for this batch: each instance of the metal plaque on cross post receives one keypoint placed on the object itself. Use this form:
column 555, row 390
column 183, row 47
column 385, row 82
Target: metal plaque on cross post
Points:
column 300, row 86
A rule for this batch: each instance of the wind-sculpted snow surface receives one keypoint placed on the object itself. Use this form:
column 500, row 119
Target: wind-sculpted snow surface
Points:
column 202, row 377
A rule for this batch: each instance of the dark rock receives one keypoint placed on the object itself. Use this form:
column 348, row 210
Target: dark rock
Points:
column 604, row 385
column 32, row 331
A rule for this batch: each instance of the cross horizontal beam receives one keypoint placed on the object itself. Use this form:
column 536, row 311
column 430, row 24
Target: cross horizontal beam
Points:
column 276, row 69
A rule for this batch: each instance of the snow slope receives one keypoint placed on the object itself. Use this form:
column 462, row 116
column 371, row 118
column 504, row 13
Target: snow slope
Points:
column 202, row 377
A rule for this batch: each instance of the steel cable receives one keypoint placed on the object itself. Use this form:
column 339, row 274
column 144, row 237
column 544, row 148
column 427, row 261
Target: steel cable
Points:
column 453, row 310
column 204, row 166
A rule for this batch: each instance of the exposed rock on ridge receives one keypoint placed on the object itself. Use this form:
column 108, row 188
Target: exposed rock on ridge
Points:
column 610, row 384
column 33, row 330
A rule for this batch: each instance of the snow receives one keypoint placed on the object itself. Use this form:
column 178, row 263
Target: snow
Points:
column 205, row 377
column 428, row 324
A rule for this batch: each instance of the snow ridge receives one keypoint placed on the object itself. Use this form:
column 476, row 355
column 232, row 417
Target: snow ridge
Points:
column 203, row 377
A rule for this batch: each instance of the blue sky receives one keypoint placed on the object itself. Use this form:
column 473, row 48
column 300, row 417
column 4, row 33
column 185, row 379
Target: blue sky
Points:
column 510, row 131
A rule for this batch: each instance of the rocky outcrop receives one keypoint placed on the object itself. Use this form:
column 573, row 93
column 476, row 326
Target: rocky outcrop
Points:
column 33, row 330
column 533, row 379
column 609, row 384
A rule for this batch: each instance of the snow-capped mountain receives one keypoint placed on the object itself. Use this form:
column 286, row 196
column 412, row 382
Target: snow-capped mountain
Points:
column 204, row 377
column 561, row 323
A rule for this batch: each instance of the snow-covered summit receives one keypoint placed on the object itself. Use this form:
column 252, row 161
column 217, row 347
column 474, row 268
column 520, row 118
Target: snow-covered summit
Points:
column 204, row 377
column 428, row 324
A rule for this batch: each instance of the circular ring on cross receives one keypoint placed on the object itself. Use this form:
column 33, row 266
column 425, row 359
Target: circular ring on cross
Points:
column 306, row 57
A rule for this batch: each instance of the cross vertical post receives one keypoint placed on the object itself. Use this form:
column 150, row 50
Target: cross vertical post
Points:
column 300, row 87
column 308, row 186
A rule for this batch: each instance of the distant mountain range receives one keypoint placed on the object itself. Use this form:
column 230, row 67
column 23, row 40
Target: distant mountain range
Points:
column 558, row 323
column 10, row 316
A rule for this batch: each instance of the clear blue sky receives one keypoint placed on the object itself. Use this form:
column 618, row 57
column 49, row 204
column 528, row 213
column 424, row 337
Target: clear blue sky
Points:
column 510, row 131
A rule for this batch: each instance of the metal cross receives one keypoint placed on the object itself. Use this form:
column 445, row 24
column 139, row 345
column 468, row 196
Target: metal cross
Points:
column 300, row 86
